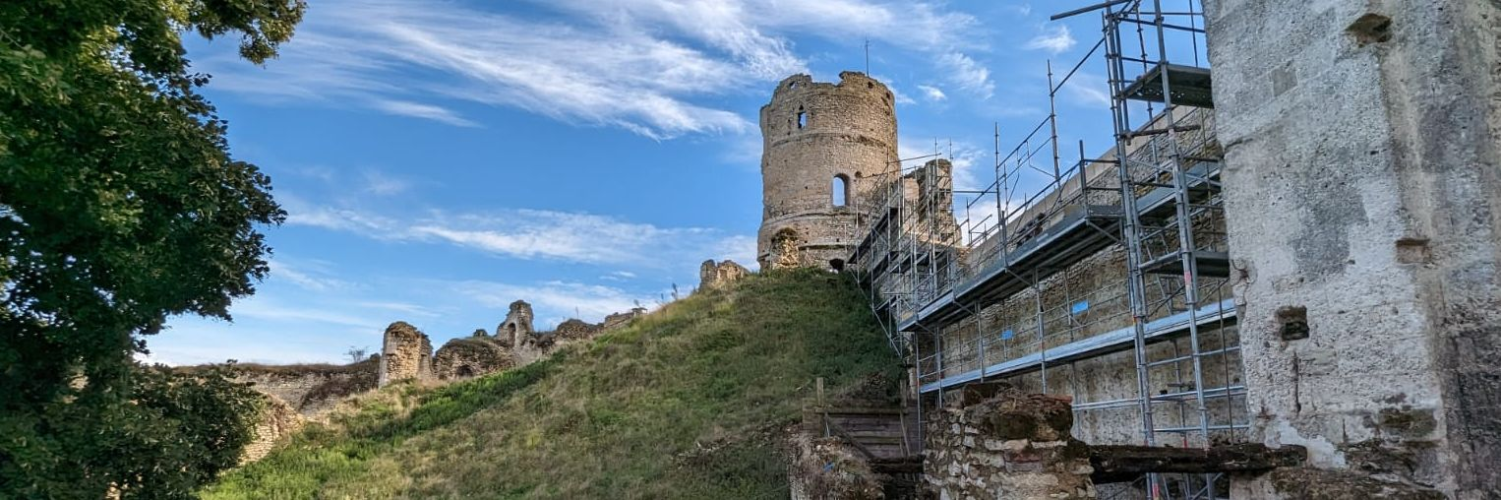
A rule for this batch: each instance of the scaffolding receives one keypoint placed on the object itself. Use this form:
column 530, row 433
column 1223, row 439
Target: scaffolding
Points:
column 1052, row 267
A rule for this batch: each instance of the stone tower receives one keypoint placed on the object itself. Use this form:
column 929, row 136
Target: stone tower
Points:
column 819, row 139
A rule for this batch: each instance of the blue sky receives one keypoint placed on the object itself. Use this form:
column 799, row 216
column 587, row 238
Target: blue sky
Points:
column 439, row 160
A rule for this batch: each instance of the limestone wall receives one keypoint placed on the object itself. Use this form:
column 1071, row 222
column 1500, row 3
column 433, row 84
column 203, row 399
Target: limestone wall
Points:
column 406, row 354
column 469, row 357
column 311, row 389
column 811, row 134
column 618, row 320
column 996, row 442
column 1363, row 145
column 712, row 275
column 276, row 421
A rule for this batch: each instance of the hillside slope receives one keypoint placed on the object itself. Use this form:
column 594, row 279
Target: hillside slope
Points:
column 684, row 403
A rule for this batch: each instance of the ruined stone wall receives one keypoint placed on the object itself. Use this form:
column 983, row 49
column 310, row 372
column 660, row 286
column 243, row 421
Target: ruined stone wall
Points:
column 516, row 328
column 996, row 442
column 406, row 354
column 1363, row 187
column 311, row 389
column 618, row 320
column 811, row 133
column 516, row 343
column 469, row 357
column 276, row 421
column 711, row 275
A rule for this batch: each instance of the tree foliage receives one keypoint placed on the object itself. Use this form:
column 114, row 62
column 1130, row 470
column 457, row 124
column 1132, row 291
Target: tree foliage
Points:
column 120, row 206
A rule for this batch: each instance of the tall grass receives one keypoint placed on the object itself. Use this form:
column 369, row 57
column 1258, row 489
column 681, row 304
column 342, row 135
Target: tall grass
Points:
column 684, row 403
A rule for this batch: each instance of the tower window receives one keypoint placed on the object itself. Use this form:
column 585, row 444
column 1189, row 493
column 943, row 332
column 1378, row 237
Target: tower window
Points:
column 841, row 190
column 802, row 119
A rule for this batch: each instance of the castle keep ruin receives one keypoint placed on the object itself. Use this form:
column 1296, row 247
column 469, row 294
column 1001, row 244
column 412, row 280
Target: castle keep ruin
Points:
column 1296, row 248
column 821, row 142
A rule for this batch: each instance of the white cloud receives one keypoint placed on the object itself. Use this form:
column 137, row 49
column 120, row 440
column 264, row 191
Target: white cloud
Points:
column 1053, row 41
column 619, row 276
column 967, row 74
column 536, row 234
column 419, row 110
column 401, row 307
column 381, row 184
column 1087, row 89
column 552, row 299
column 268, row 309
column 641, row 65
column 932, row 93
column 312, row 279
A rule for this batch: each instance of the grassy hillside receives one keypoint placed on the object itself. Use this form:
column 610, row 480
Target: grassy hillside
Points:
column 681, row 404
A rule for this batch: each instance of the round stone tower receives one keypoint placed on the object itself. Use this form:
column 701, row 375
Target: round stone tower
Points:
column 825, row 148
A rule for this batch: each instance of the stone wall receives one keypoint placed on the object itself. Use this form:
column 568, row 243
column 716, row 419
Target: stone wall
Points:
column 618, row 320
column 997, row 442
column 812, row 134
column 469, row 357
column 311, row 389
column 516, row 328
column 276, row 421
column 711, row 275
column 406, row 354
column 516, row 343
column 825, row 468
column 1363, row 173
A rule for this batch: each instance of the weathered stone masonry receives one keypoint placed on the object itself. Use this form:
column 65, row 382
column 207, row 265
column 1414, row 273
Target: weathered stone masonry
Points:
column 814, row 135
column 1363, row 165
column 996, row 442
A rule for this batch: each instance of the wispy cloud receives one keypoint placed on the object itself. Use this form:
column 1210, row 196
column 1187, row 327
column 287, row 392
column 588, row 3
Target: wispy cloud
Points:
column 382, row 184
column 306, row 276
column 554, row 298
column 967, row 74
column 1054, row 41
column 536, row 234
column 648, row 66
column 424, row 111
column 1087, row 89
column 932, row 93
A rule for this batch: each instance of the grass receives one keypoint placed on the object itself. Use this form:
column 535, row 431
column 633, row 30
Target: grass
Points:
column 684, row 403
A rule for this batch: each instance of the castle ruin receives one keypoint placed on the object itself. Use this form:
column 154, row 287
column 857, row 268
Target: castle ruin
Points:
column 407, row 354
column 1295, row 249
column 822, row 145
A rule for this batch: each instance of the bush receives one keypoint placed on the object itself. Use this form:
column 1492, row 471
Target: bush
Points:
column 178, row 431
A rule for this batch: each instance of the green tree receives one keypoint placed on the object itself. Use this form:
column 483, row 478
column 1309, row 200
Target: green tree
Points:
column 120, row 206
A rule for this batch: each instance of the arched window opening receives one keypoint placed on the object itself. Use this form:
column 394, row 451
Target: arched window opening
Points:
column 837, row 265
column 841, row 191
column 802, row 118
